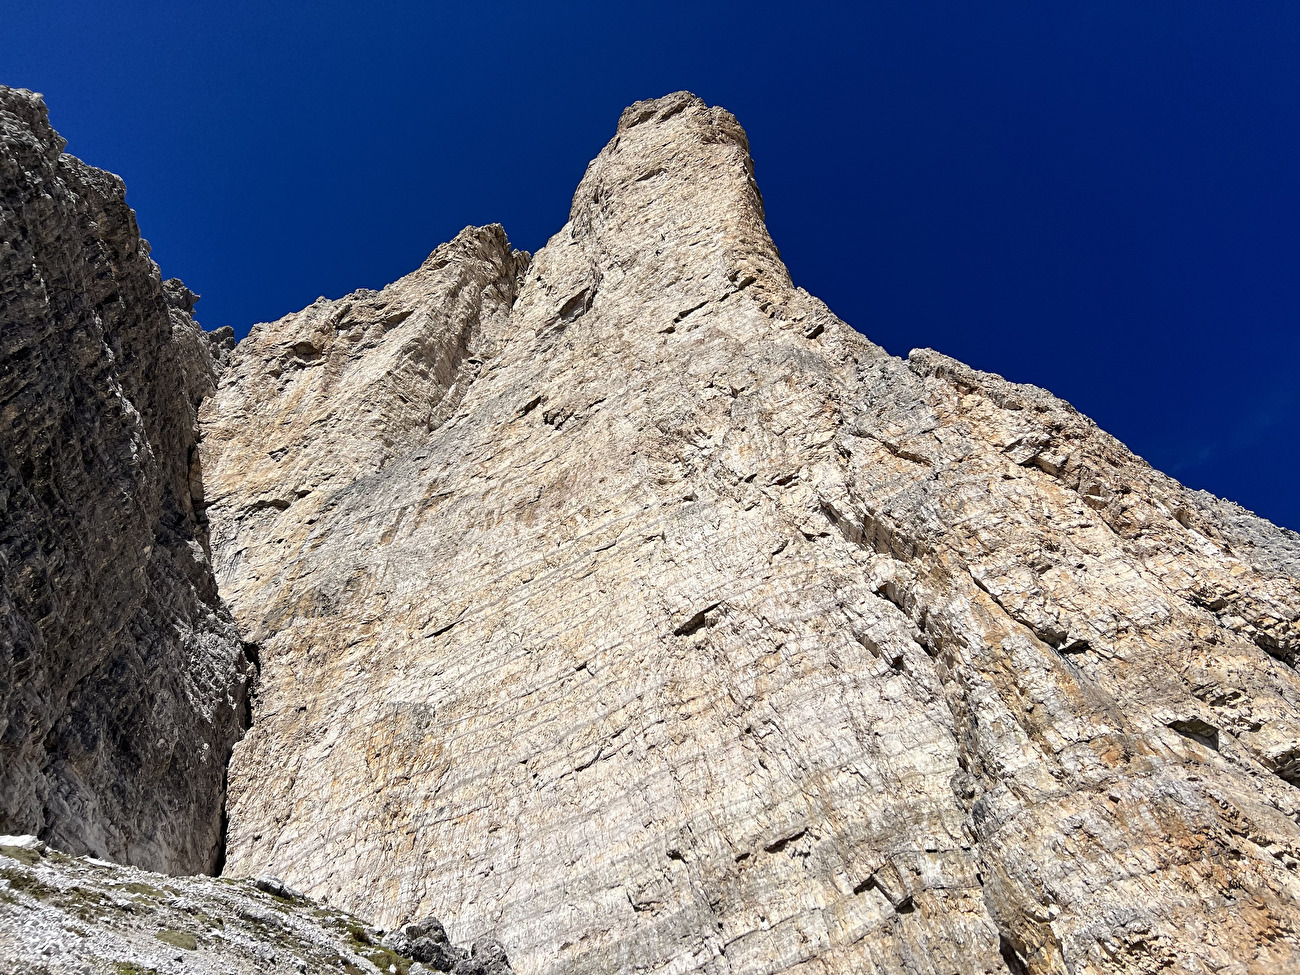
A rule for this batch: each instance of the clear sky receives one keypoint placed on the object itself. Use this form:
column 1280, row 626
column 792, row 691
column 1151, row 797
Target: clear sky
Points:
column 1102, row 198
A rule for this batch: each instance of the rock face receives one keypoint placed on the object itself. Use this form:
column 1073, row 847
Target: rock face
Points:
column 60, row 914
column 320, row 399
column 121, row 676
column 628, row 606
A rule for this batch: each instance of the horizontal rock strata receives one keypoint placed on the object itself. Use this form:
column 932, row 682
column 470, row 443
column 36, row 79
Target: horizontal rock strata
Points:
column 628, row 605
column 122, row 679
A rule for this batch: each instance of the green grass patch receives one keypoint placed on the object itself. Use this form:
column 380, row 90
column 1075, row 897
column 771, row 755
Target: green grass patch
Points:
column 383, row 959
column 339, row 963
column 126, row 968
column 148, row 890
column 24, row 883
column 24, row 856
column 177, row 939
column 208, row 920
column 81, row 903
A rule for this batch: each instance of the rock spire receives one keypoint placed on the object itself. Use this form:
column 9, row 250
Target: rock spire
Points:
column 627, row 606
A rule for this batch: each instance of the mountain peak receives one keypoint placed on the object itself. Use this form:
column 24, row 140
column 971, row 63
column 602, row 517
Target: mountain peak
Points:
column 698, row 625
column 624, row 606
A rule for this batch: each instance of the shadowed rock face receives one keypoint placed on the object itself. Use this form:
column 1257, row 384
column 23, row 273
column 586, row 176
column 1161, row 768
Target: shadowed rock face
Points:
column 121, row 677
column 628, row 606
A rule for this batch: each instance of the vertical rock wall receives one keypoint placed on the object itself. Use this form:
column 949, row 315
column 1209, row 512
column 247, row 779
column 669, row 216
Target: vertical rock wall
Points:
column 122, row 679
column 699, row 634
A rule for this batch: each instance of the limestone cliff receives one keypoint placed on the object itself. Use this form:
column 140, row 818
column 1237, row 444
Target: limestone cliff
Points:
column 122, row 679
column 629, row 606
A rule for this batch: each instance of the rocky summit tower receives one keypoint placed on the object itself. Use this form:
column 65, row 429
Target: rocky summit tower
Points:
column 624, row 603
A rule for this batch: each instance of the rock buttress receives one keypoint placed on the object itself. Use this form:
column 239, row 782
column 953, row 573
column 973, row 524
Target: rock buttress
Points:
column 699, row 634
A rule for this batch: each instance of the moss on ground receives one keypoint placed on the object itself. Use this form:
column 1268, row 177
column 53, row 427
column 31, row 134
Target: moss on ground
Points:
column 207, row 920
column 24, row 856
column 384, row 960
column 148, row 890
column 81, row 902
column 177, row 939
column 25, row 883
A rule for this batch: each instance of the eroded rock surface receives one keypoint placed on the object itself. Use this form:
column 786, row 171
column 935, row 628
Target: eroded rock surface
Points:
column 652, row 619
column 314, row 402
column 122, row 679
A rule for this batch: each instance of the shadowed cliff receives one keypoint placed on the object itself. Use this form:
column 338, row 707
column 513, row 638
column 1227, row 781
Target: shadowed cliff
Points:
column 122, row 678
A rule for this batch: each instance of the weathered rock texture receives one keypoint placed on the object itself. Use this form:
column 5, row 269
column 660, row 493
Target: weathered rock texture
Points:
column 651, row 619
column 61, row 915
column 121, row 677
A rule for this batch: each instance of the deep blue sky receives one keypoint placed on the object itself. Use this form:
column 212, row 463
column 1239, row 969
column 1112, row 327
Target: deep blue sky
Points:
column 1102, row 198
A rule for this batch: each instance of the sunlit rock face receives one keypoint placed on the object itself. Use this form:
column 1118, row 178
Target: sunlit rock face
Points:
column 626, row 605
column 122, row 679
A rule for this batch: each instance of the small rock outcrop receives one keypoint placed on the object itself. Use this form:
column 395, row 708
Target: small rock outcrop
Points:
column 637, row 611
column 122, row 678
column 63, row 915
